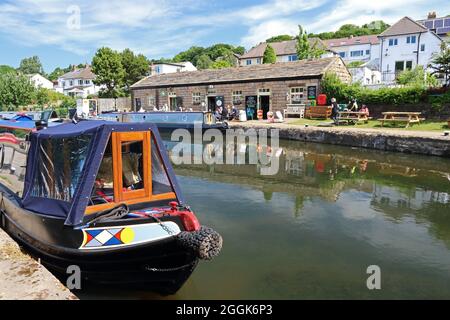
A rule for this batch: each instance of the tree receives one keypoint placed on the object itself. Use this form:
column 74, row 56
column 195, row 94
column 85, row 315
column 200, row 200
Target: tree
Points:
column 355, row 64
column 220, row 64
column 304, row 48
column 441, row 63
column 15, row 91
column 6, row 69
column 281, row 37
column 136, row 67
column 41, row 97
column 107, row 66
column 31, row 65
column 347, row 30
column 204, row 62
column 269, row 55
column 191, row 55
column 417, row 77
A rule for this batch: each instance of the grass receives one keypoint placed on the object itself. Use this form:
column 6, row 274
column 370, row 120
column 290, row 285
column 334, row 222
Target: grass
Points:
column 374, row 124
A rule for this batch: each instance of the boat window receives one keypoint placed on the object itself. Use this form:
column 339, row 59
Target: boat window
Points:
column 132, row 166
column 160, row 180
column 103, row 190
column 60, row 164
column 13, row 158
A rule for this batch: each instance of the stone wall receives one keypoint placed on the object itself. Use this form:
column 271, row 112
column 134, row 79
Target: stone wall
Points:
column 279, row 93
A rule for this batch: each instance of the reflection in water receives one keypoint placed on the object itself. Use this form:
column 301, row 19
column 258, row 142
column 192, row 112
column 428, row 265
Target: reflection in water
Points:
column 312, row 229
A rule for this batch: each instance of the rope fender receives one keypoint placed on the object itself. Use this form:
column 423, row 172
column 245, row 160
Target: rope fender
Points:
column 204, row 243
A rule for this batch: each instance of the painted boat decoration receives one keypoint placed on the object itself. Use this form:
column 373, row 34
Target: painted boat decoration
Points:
column 101, row 195
column 167, row 121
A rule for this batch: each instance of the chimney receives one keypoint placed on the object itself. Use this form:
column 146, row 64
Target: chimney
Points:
column 432, row 15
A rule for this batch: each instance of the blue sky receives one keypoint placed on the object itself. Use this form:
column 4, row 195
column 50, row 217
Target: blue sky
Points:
column 67, row 32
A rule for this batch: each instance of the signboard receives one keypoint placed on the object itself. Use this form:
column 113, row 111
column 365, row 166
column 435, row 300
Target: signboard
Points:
column 312, row 92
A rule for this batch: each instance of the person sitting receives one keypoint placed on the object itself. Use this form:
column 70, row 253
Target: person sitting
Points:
column 234, row 114
column 364, row 109
column 353, row 105
column 218, row 114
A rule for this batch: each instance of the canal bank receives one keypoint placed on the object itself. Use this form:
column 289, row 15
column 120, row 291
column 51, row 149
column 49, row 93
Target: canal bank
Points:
column 417, row 142
column 23, row 278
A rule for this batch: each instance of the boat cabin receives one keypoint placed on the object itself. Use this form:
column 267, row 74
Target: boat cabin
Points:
column 159, row 117
column 74, row 171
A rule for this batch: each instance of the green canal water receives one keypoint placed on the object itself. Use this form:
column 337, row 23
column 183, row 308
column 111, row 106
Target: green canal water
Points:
column 311, row 230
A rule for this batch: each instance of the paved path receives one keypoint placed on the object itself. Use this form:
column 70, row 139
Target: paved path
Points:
column 22, row 278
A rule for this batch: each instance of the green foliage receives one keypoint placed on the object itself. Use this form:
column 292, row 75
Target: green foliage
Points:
column 355, row 64
column 417, row 77
column 204, row 62
column 269, row 55
column 107, row 66
column 31, row 65
column 441, row 63
column 6, row 69
column 347, row 30
column 220, row 64
column 136, row 67
column 332, row 86
column 15, row 90
column 304, row 48
column 281, row 37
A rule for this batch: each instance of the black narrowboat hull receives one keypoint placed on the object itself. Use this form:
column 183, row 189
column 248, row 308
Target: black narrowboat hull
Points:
column 162, row 266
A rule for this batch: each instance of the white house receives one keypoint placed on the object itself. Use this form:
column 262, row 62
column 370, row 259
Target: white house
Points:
column 40, row 81
column 284, row 50
column 405, row 45
column 78, row 83
column 356, row 48
column 365, row 75
column 168, row 67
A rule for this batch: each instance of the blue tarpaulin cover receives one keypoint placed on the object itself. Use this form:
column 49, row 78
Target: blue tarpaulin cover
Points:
column 72, row 210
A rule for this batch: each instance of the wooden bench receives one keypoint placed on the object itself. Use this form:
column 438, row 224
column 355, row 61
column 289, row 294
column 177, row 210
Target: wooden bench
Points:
column 407, row 117
column 318, row 112
column 295, row 109
column 353, row 116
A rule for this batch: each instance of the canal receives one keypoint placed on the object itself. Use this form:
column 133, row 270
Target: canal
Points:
column 311, row 230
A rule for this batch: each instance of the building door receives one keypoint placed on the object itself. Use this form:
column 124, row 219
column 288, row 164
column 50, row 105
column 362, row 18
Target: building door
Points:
column 211, row 104
column 264, row 105
column 173, row 103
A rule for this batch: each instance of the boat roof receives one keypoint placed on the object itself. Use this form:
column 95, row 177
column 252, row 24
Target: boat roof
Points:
column 100, row 130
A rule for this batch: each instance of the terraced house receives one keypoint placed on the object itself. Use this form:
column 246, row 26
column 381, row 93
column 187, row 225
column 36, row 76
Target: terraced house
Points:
column 262, row 86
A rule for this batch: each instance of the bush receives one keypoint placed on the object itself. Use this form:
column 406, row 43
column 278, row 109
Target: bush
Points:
column 417, row 77
column 332, row 86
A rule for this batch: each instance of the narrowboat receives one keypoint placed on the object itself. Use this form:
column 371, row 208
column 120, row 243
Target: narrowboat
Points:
column 169, row 121
column 102, row 196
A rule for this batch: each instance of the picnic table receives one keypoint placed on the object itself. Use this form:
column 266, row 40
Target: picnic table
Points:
column 394, row 116
column 353, row 116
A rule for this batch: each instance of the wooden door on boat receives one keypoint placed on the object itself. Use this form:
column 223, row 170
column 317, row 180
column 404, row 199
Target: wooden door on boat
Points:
column 131, row 172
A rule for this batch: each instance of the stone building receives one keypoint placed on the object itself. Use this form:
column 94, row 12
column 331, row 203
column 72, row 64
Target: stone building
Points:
column 266, row 86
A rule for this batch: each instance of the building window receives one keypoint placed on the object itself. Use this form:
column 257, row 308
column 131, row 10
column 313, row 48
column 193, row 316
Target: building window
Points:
column 237, row 97
column 151, row 101
column 263, row 90
column 367, row 52
column 63, row 84
column 196, row 98
column 393, row 42
column 293, row 57
column 137, row 103
column 80, row 82
column 342, row 54
column 411, row 39
column 248, row 62
column 422, row 47
column 157, row 69
column 71, row 83
column 258, row 61
column 87, row 82
column 409, row 65
column 297, row 94
column 356, row 53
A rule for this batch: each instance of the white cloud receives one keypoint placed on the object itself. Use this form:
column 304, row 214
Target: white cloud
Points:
column 267, row 29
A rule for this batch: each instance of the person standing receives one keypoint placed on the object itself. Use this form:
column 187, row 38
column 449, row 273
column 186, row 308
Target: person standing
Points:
column 334, row 111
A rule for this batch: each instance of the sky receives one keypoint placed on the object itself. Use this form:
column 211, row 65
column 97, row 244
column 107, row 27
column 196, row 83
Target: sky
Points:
column 65, row 32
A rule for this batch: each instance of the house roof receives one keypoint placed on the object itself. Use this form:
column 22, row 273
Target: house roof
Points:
column 405, row 25
column 281, row 48
column 297, row 69
column 349, row 41
column 84, row 73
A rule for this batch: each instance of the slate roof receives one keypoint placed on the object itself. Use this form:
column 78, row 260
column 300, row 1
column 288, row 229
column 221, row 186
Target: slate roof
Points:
column 405, row 25
column 85, row 73
column 281, row 48
column 369, row 39
column 297, row 69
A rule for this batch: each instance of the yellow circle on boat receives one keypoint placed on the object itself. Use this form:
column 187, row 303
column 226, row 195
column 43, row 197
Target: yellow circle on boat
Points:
column 127, row 235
